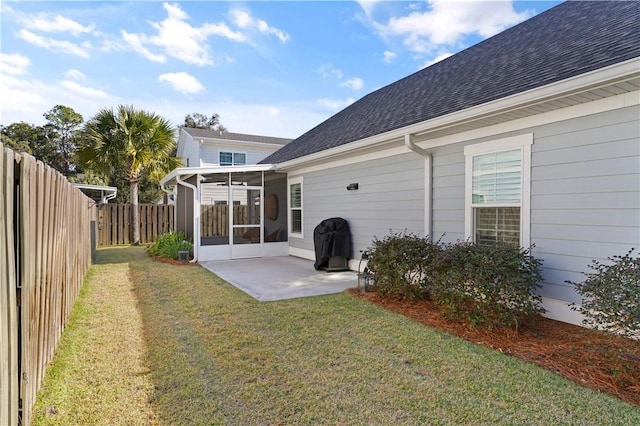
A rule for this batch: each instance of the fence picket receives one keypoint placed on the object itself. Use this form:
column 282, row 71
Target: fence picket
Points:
column 116, row 227
column 9, row 350
column 45, row 250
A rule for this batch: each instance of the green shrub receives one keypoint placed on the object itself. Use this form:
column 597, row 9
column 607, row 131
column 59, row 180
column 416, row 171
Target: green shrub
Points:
column 400, row 262
column 167, row 245
column 611, row 295
column 490, row 285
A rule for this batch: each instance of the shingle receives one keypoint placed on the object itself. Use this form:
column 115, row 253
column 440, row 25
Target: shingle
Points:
column 570, row 39
column 216, row 134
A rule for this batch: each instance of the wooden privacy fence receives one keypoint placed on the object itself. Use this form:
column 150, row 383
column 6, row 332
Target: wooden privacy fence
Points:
column 214, row 220
column 115, row 226
column 46, row 242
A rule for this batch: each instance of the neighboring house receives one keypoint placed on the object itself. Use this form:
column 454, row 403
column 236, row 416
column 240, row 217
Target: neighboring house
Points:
column 207, row 147
column 531, row 137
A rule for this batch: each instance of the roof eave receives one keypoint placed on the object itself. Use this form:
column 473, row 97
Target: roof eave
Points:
column 190, row 171
column 547, row 93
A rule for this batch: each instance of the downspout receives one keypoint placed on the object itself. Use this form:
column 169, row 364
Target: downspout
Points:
column 428, row 182
column 196, row 217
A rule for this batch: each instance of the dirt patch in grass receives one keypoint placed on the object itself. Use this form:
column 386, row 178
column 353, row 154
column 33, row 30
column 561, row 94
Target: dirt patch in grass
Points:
column 173, row 261
column 593, row 359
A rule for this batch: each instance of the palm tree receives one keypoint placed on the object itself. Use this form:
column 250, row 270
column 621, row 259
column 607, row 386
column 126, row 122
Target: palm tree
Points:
column 133, row 140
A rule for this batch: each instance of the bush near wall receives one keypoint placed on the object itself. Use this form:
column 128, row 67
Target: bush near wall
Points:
column 611, row 295
column 490, row 285
column 169, row 244
column 401, row 263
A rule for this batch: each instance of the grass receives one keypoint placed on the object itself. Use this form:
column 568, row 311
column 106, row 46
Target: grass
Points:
column 155, row 343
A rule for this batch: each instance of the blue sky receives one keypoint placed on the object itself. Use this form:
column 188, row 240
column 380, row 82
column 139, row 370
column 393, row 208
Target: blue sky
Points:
column 270, row 68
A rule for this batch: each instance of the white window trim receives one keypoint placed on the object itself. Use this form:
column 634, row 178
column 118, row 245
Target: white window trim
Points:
column 522, row 142
column 293, row 181
column 232, row 152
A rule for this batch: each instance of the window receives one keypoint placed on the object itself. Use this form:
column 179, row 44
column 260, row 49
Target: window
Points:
column 497, row 181
column 295, row 207
column 232, row 158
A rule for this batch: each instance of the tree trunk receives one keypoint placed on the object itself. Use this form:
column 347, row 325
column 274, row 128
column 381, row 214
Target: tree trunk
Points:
column 135, row 211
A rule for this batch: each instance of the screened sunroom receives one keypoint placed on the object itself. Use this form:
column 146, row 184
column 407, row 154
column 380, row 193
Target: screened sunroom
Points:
column 231, row 212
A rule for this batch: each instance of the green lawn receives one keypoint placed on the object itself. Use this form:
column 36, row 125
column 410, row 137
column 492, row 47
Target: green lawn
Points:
column 153, row 343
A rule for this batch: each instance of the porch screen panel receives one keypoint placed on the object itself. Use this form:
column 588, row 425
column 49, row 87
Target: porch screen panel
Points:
column 214, row 211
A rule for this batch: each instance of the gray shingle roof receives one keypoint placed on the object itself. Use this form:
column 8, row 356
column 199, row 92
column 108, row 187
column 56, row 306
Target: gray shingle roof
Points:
column 215, row 134
column 570, row 39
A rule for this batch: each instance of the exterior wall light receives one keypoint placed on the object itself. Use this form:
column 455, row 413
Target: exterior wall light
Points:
column 352, row 187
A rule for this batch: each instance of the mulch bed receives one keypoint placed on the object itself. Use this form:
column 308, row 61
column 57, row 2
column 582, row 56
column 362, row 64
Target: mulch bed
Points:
column 597, row 360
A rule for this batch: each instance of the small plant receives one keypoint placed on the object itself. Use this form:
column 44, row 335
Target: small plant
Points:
column 491, row 285
column 611, row 295
column 167, row 245
column 400, row 262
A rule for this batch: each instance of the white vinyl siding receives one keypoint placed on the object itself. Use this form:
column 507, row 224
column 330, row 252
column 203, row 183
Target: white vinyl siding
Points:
column 390, row 198
column 497, row 179
column 210, row 152
column 585, row 201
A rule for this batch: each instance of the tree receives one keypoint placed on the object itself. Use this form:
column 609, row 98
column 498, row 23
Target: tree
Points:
column 202, row 121
column 32, row 139
column 62, row 129
column 131, row 140
column 16, row 146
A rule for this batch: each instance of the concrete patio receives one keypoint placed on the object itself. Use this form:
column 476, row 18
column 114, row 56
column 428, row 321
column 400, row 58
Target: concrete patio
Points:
column 278, row 278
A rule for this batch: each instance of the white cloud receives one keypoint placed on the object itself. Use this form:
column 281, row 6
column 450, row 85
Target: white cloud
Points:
column 368, row 6
column 335, row 104
column 355, row 83
column 84, row 91
column 26, row 100
column 177, row 38
column 245, row 21
column 62, row 46
column 448, row 22
column 182, row 82
column 136, row 43
column 437, row 59
column 58, row 23
column 389, row 56
column 74, row 74
column 271, row 110
column 328, row 70
column 14, row 64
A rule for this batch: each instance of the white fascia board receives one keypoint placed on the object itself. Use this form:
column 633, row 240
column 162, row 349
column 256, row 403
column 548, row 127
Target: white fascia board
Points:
column 190, row 171
column 95, row 187
column 216, row 141
column 590, row 80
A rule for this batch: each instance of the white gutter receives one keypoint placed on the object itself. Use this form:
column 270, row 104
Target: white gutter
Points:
column 173, row 192
column 196, row 217
column 428, row 178
column 189, row 171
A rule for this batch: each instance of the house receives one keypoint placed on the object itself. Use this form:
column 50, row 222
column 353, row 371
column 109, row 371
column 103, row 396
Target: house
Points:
column 531, row 137
column 210, row 147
